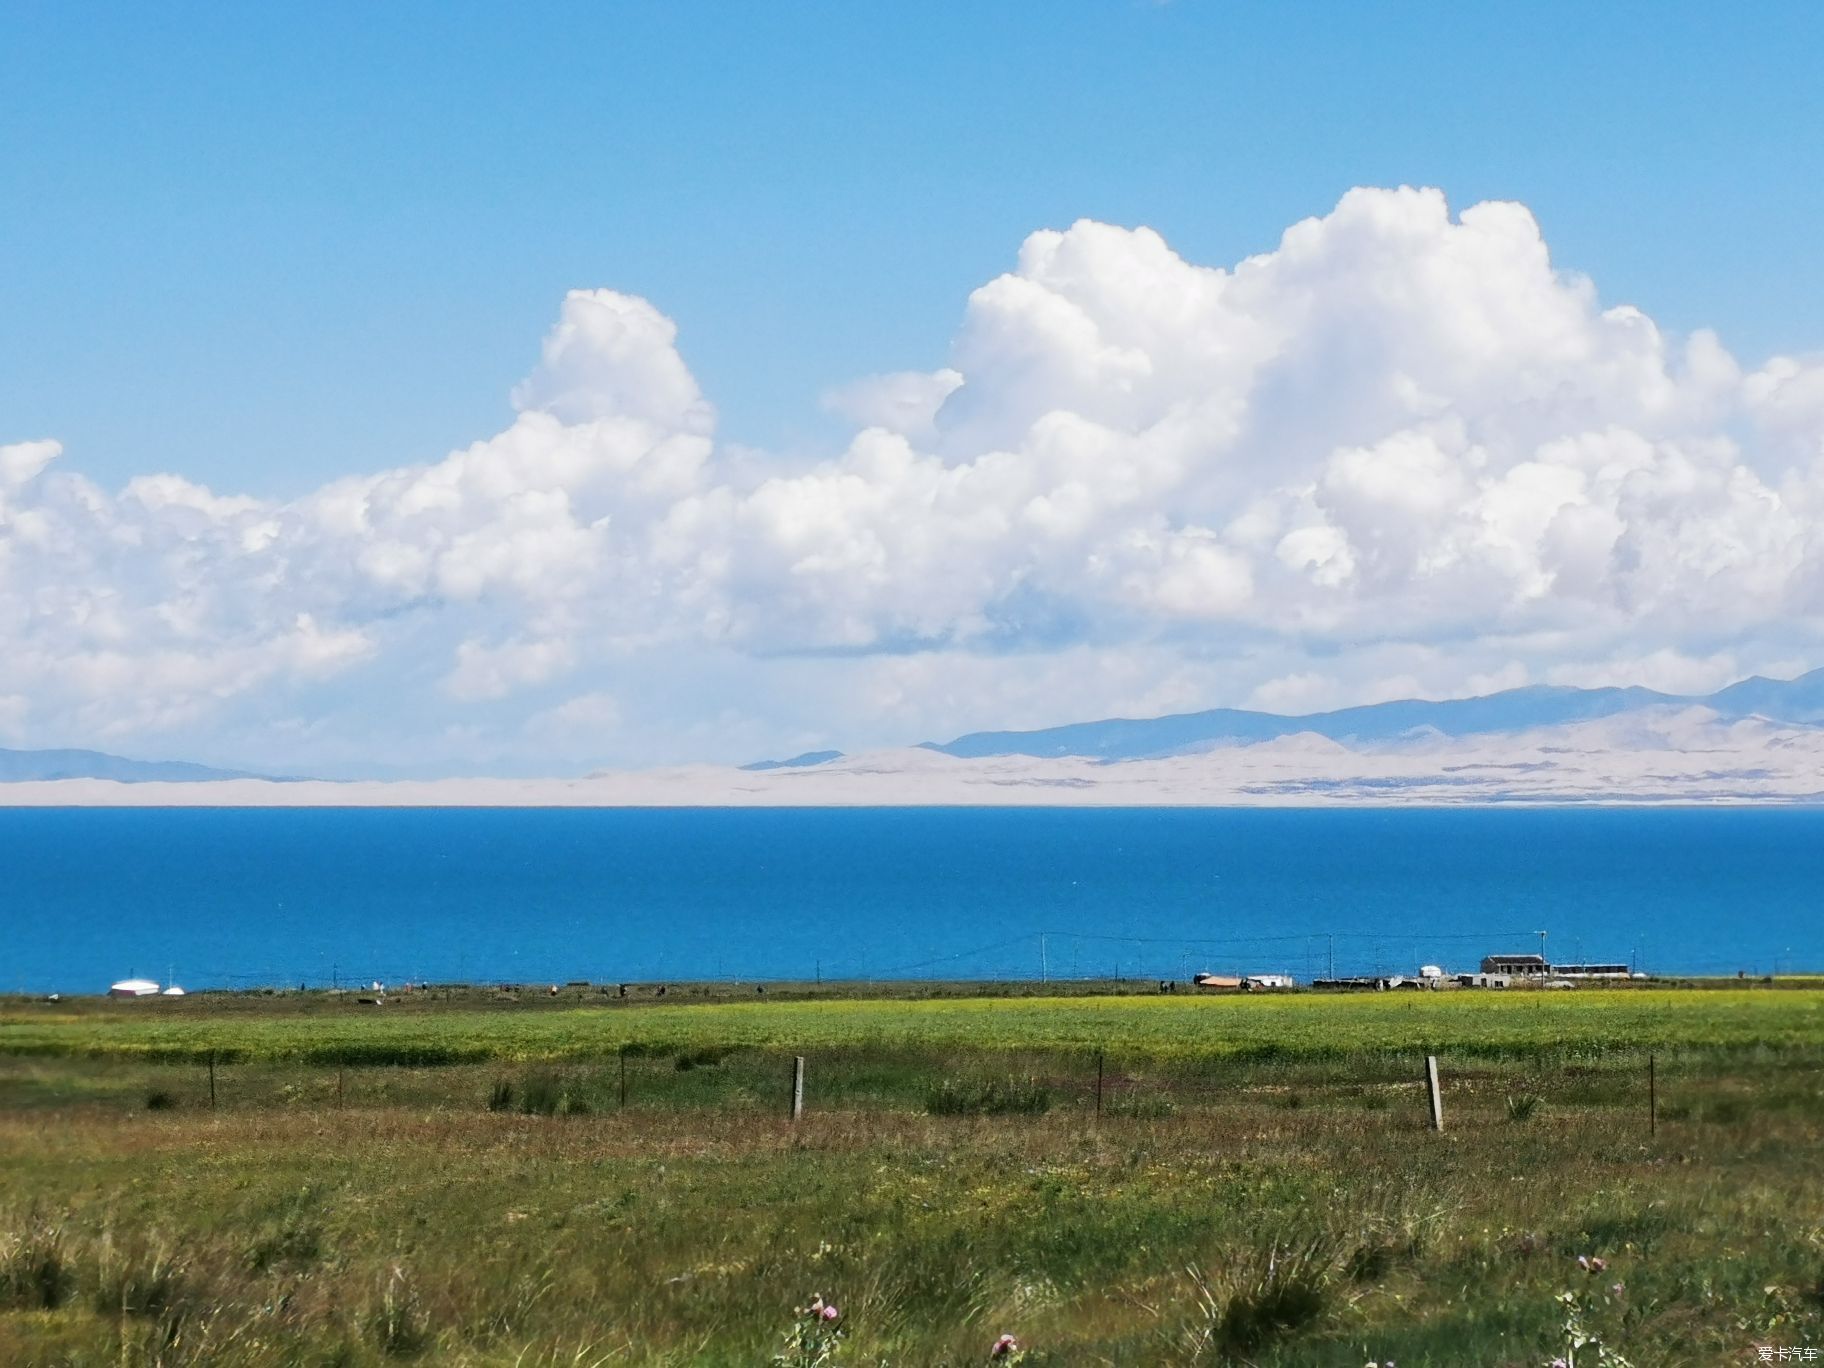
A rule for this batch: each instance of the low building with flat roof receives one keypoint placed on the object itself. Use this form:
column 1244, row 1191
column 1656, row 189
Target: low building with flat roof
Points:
column 1522, row 966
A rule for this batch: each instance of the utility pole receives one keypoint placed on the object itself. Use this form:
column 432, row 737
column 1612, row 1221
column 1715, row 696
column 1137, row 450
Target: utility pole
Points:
column 1542, row 948
column 1332, row 940
column 1044, row 968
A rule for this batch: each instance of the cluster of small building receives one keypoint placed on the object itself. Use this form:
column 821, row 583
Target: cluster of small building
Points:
column 1502, row 971
column 1497, row 971
column 140, row 988
column 1247, row 983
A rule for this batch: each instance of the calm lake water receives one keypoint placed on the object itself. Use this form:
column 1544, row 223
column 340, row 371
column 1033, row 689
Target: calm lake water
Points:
column 242, row 897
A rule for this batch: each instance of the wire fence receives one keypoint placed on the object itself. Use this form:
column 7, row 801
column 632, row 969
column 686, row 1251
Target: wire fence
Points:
column 1640, row 1088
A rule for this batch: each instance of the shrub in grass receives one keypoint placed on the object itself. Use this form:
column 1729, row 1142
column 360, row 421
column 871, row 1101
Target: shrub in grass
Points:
column 1521, row 1106
column 550, row 1093
column 705, row 1058
column 501, row 1095
column 1727, row 1111
column 988, row 1097
column 35, row 1270
column 159, row 1099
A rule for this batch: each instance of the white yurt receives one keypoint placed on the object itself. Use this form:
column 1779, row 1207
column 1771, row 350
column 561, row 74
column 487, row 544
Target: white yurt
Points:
column 172, row 991
column 133, row 988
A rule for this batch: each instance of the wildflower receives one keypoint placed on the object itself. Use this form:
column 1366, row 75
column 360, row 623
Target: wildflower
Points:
column 1583, row 1262
column 829, row 1313
column 1597, row 1265
column 1618, row 1289
column 1004, row 1346
column 1560, row 1363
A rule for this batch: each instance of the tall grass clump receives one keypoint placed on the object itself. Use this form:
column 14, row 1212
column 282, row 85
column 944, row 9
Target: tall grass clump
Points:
column 1521, row 1106
column 1285, row 1288
column 395, row 1322
column 148, row 1280
column 988, row 1097
column 35, row 1266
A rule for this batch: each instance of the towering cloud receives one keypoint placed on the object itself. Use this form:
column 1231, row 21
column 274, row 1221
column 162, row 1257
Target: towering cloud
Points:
column 1400, row 451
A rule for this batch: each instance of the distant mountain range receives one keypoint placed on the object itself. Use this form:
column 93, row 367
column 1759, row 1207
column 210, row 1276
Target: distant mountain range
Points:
column 809, row 758
column 20, row 766
column 1791, row 702
column 1798, row 700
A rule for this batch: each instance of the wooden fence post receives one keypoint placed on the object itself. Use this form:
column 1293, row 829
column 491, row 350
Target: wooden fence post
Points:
column 212, row 1079
column 1431, row 1088
column 797, row 1086
column 1652, row 1095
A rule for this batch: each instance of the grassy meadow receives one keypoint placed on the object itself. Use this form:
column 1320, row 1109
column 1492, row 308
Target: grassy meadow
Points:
column 474, row 1179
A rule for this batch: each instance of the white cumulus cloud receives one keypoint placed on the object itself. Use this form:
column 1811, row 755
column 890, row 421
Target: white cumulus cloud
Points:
column 1400, row 450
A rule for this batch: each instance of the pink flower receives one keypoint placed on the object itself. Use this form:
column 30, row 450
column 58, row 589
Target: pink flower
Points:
column 1618, row 1289
column 829, row 1313
column 1597, row 1265
column 1004, row 1346
column 1583, row 1262
column 1560, row 1363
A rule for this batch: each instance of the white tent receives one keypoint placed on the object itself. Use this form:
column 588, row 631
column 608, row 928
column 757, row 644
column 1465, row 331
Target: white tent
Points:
column 133, row 988
column 172, row 991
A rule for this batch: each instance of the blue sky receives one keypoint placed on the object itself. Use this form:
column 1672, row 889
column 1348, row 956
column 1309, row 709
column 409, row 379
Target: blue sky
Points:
column 295, row 256
column 263, row 244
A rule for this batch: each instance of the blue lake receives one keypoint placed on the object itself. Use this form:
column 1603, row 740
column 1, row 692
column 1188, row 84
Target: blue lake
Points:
column 235, row 897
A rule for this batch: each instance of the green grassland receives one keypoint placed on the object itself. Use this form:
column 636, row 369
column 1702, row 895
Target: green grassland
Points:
column 476, row 1180
column 1269, row 1026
